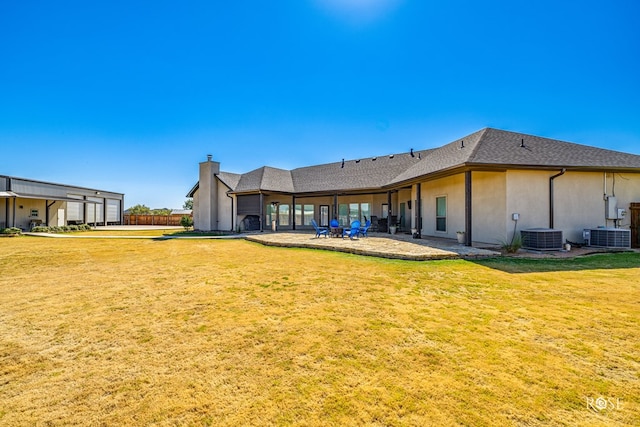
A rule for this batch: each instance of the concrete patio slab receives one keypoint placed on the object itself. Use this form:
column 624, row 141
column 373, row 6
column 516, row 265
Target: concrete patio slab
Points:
column 377, row 244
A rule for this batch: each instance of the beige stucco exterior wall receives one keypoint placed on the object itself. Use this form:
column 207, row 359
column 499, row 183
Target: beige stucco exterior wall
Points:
column 626, row 187
column 578, row 202
column 196, row 209
column 489, row 208
column 453, row 189
column 224, row 205
column 578, row 199
column 207, row 196
column 527, row 193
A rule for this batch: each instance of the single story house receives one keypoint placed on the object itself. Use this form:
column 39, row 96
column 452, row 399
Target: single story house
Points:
column 25, row 203
column 490, row 185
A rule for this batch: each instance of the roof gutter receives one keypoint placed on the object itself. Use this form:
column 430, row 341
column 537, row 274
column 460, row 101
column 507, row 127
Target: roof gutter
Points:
column 551, row 195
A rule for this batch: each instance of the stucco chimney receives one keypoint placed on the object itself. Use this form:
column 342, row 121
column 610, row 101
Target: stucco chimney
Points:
column 208, row 196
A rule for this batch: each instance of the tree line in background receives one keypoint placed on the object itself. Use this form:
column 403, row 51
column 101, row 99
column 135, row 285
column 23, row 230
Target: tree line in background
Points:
column 145, row 210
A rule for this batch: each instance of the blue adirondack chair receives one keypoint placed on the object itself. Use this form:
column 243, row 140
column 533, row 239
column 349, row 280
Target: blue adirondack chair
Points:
column 320, row 230
column 365, row 229
column 353, row 231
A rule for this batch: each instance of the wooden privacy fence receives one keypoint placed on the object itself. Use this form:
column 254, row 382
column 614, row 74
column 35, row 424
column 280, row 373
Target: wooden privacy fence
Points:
column 153, row 219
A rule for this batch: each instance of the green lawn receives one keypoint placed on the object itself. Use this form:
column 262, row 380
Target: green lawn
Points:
column 211, row 332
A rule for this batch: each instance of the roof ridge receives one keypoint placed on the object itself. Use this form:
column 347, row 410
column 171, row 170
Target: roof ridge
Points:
column 474, row 151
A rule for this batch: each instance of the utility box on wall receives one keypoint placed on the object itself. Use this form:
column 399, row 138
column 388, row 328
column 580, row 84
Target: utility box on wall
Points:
column 611, row 207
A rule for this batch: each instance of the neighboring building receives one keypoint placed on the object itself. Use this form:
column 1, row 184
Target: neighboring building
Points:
column 475, row 184
column 25, row 203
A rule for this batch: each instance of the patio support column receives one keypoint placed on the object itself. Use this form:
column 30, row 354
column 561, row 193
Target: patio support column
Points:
column 418, row 211
column 293, row 205
column 335, row 206
column 468, row 218
column 13, row 221
column 6, row 211
column 389, row 210
column 261, row 212
column 104, row 211
column 47, row 215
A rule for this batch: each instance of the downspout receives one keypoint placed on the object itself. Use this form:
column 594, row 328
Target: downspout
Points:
column 389, row 210
column 418, row 211
column 551, row 196
column 232, row 219
column 468, row 203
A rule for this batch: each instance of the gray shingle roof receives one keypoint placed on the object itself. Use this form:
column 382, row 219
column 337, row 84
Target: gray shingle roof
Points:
column 357, row 174
column 266, row 178
column 486, row 147
column 503, row 148
column 231, row 180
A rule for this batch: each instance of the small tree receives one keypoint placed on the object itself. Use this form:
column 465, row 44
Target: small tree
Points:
column 139, row 210
column 188, row 204
column 186, row 221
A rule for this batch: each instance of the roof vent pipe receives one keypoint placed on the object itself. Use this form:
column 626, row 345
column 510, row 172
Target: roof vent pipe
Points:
column 209, row 157
column 462, row 144
column 522, row 143
column 551, row 196
column 411, row 152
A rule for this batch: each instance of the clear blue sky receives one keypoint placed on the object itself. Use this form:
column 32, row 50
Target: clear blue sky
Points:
column 129, row 96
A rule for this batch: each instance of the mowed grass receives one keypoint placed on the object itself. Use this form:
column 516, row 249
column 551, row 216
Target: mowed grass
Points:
column 215, row 332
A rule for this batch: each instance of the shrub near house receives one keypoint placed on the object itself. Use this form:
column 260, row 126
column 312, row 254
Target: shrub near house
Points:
column 11, row 231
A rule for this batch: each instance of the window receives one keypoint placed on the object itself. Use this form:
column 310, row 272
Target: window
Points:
column 324, row 216
column 354, row 212
column 385, row 210
column 308, row 212
column 283, row 214
column 441, row 213
column 34, row 213
column 347, row 213
column 304, row 214
column 365, row 211
column 269, row 215
column 343, row 215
